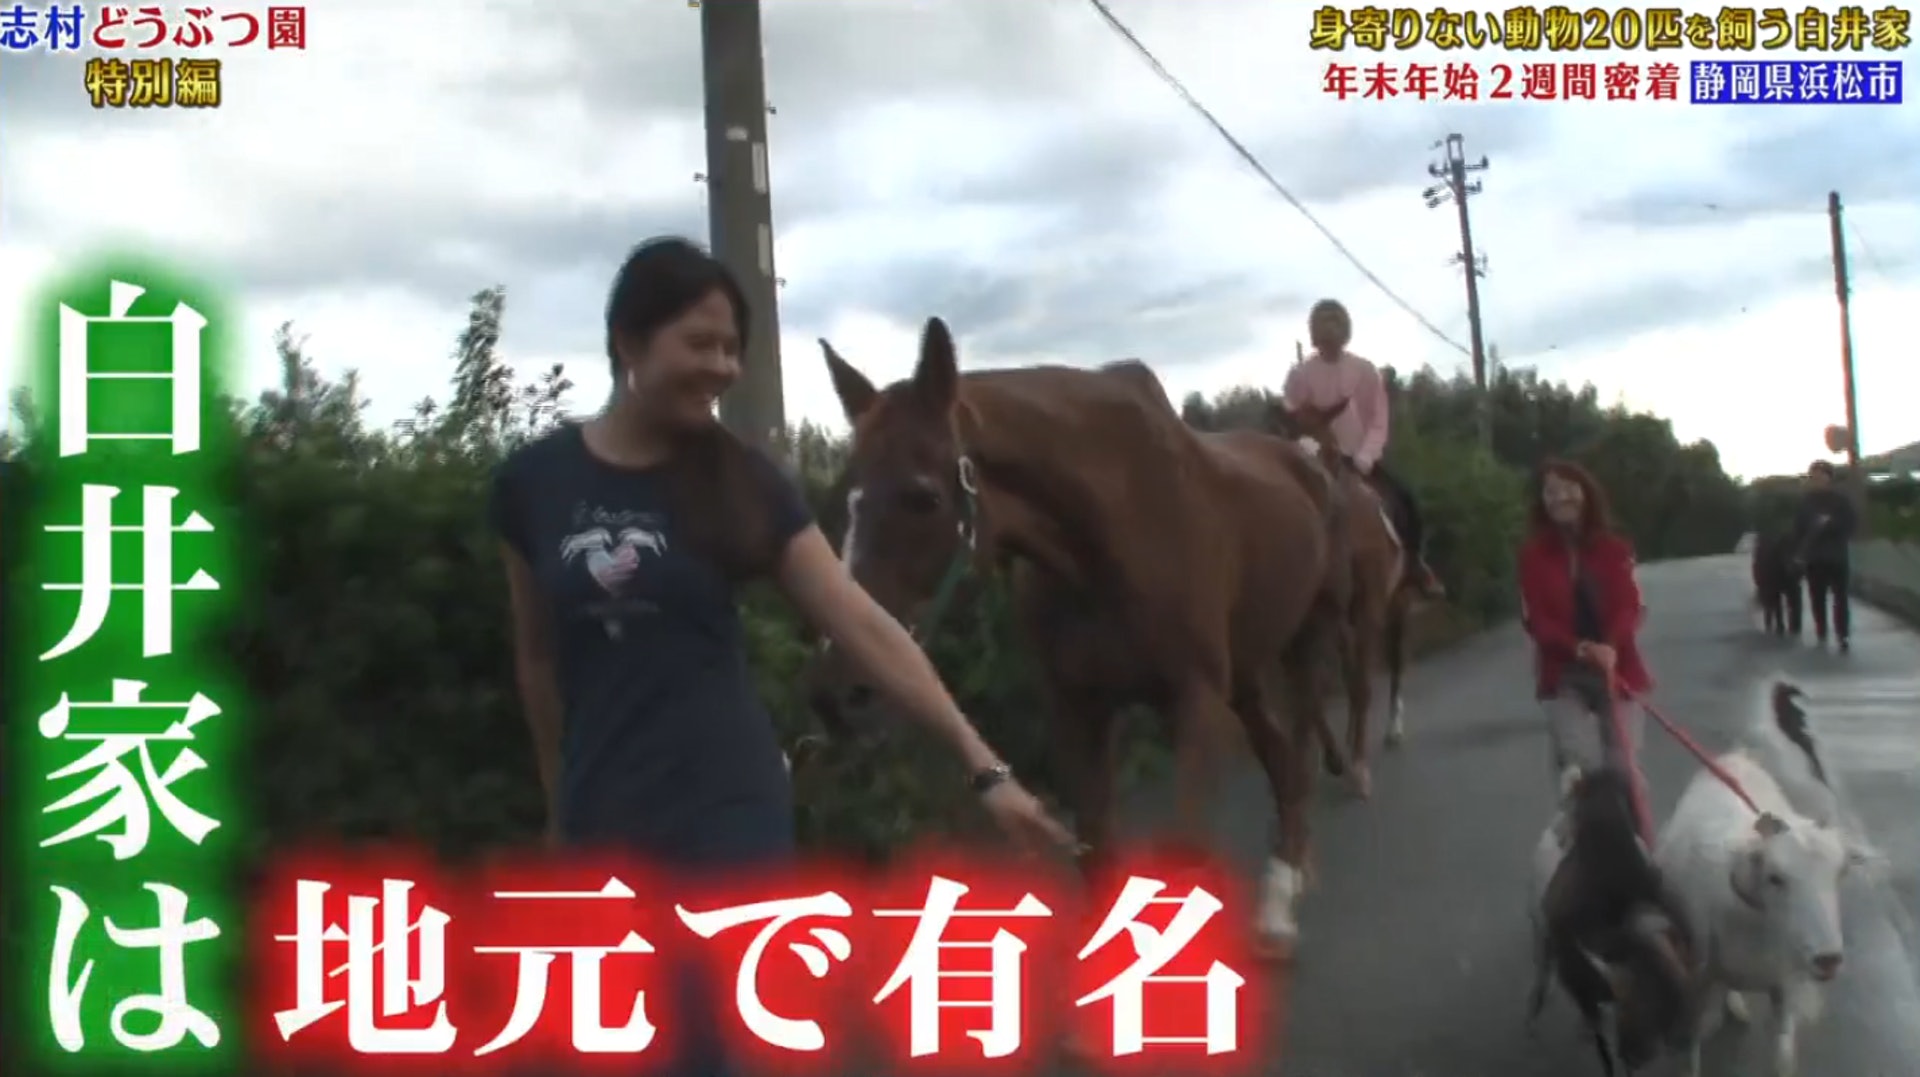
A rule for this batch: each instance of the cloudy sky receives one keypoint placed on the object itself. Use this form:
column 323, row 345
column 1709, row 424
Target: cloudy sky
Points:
column 1011, row 165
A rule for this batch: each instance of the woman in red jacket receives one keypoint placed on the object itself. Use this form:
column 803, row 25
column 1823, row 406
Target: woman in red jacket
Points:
column 1581, row 604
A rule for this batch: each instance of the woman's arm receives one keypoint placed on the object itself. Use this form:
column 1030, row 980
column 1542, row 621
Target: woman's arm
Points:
column 1370, row 404
column 534, row 671
column 1627, row 601
column 1295, row 390
column 1548, row 634
column 838, row 608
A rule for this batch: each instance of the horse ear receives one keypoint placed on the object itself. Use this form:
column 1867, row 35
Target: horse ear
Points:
column 856, row 393
column 937, row 377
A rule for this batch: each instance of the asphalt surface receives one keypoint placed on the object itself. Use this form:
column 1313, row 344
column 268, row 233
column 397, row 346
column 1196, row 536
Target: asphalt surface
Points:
column 1414, row 954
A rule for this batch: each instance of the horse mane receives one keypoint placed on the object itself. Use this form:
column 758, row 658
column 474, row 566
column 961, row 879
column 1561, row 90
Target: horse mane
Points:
column 1069, row 443
column 1138, row 374
column 1051, row 400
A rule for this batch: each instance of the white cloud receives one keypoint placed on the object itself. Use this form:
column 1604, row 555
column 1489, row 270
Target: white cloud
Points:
column 365, row 187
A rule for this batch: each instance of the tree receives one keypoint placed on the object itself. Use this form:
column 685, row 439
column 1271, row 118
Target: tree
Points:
column 373, row 638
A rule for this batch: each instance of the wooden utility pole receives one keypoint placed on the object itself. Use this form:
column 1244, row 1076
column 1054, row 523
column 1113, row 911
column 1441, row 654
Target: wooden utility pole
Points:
column 1836, row 228
column 1451, row 170
column 1856, row 479
column 740, row 207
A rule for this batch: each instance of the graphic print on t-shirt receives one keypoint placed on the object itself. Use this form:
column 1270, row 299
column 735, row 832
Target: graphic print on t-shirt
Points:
column 612, row 545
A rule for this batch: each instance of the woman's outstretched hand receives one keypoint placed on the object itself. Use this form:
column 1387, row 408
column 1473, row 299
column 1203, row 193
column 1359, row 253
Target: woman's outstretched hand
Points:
column 1021, row 816
column 1599, row 654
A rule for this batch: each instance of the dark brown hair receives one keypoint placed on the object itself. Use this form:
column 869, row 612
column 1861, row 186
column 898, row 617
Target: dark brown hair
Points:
column 1595, row 516
column 716, row 487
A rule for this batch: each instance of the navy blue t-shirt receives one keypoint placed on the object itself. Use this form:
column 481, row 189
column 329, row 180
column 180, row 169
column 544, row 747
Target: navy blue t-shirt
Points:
column 665, row 748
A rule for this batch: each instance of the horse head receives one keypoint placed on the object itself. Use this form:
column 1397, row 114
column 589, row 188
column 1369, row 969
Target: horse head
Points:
column 1311, row 427
column 909, row 504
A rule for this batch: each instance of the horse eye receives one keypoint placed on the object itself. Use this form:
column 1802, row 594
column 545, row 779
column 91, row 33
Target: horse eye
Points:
column 1778, row 880
column 920, row 498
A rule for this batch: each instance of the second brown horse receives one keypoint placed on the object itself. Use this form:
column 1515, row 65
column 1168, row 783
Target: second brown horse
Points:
column 1372, row 589
column 1160, row 566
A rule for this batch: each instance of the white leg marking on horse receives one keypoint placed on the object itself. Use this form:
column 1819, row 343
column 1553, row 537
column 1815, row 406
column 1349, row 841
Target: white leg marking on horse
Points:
column 1397, row 722
column 849, row 543
column 1737, row 1007
column 1279, row 892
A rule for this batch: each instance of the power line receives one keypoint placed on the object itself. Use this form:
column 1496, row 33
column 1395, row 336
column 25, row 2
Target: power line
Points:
column 1452, row 171
column 1118, row 27
column 1873, row 259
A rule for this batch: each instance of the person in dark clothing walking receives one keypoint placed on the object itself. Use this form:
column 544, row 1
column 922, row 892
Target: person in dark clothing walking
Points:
column 1823, row 529
column 626, row 538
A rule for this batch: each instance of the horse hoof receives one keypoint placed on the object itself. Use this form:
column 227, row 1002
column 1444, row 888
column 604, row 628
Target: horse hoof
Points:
column 1363, row 782
column 1274, row 948
column 1395, row 735
column 1737, row 1007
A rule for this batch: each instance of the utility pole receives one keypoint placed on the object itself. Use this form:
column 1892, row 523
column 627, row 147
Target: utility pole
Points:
column 1451, row 170
column 1837, row 231
column 740, row 207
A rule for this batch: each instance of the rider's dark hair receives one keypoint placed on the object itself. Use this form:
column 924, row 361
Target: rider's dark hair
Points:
column 1596, row 517
column 1333, row 308
column 1821, row 467
column 715, row 486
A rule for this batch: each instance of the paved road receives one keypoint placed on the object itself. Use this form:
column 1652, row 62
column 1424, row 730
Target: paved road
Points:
column 1414, row 959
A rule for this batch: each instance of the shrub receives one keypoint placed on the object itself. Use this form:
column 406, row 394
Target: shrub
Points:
column 374, row 636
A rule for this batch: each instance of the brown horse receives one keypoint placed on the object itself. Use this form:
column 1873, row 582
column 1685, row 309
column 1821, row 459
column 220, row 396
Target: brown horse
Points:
column 1379, row 595
column 1156, row 566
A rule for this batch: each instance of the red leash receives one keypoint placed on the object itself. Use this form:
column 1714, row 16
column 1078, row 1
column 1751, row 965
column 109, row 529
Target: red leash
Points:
column 1706, row 760
column 1642, row 808
column 1636, row 781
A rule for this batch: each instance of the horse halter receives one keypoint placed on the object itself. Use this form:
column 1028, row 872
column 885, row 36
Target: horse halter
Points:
column 957, row 567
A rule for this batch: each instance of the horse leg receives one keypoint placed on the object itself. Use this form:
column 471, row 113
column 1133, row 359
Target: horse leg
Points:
column 1332, row 755
column 1395, row 642
column 1276, row 924
column 1283, row 746
column 1201, row 713
column 1084, row 741
column 1356, row 664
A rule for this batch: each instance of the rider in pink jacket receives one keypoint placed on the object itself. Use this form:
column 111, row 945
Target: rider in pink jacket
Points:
column 1332, row 374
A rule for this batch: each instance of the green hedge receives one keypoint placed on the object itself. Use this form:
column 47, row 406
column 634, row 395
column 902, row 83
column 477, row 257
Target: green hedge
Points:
column 375, row 634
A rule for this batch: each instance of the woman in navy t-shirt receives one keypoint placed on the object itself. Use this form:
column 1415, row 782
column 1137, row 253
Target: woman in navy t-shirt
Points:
column 624, row 538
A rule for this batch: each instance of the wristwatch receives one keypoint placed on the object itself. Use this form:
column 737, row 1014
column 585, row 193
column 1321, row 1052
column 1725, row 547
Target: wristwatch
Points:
column 980, row 781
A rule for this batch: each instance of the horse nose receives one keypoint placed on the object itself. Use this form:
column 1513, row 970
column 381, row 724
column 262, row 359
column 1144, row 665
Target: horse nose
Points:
column 1825, row 966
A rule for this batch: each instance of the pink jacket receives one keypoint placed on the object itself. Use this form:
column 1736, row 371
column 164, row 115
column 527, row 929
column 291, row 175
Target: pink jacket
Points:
column 1361, row 430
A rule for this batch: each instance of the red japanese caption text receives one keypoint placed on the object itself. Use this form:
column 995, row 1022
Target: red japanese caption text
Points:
column 1161, row 972
column 940, row 966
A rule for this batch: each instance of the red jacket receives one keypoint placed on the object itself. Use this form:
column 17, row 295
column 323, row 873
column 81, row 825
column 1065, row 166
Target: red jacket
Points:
column 1546, row 606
